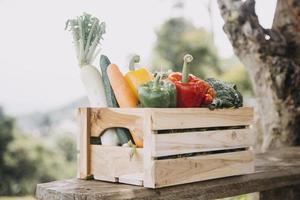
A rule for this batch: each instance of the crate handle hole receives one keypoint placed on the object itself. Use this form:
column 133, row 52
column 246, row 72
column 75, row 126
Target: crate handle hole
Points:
column 97, row 140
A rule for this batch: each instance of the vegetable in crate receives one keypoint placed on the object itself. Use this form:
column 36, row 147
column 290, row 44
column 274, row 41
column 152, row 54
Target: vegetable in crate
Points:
column 157, row 94
column 164, row 75
column 87, row 32
column 227, row 94
column 122, row 133
column 122, row 90
column 134, row 77
column 124, row 95
column 191, row 91
column 109, row 93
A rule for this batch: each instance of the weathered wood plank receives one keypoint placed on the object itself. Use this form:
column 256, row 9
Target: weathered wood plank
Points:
column 277, row 169
column 181, row 118
column 189, row 142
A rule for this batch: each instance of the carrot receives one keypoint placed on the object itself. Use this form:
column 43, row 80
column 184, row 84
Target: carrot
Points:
column 123, row 93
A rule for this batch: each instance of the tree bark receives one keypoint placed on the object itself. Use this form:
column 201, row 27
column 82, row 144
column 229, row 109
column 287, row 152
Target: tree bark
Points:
column 272, row 57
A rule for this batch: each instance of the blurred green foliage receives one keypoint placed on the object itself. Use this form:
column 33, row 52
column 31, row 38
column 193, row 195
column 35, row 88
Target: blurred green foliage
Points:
column 28, row 160
column 67, row 146
column 178, row 36
column 17, row 198
column 235, row 72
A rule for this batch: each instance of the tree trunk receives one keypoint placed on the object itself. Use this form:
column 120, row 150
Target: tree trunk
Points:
column 272, row 57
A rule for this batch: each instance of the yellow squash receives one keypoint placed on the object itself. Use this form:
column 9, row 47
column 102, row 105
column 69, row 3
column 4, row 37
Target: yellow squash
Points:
column 135, row 78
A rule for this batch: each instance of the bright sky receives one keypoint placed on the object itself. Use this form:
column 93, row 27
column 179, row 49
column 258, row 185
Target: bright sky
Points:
column 38, row 67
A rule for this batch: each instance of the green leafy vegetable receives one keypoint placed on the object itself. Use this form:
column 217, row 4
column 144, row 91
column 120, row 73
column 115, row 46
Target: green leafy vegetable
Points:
column 227, row 94
column 133, row 149
column 87, row 32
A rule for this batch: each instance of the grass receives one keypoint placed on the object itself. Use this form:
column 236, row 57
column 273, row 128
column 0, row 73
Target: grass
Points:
column 17, row 198
column 251, row 196
column 242, row 197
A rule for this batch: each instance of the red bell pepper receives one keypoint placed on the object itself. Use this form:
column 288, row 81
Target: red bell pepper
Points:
column 191, row 91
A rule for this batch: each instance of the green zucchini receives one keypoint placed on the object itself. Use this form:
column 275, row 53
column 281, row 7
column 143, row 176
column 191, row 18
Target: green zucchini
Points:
column 109, row 93
column 122, row 133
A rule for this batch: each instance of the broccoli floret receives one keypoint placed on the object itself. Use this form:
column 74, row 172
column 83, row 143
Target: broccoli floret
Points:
column 227, row 94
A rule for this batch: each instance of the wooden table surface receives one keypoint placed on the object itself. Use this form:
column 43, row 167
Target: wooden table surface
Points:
column 273, row 170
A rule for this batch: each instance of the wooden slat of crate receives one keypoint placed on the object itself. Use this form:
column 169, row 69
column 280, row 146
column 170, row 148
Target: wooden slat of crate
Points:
column 182, row 118
column 104, row 118
column 132, row 179
column 110, row 162
column 148, row 174
column 83, row 141
column 204, row 167
column 189, row 142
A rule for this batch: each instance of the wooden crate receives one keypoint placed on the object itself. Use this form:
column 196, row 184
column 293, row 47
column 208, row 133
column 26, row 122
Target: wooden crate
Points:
column 181, row 145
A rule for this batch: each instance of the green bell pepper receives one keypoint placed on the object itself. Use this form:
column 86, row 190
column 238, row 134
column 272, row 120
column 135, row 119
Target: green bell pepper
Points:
column 157, row 94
